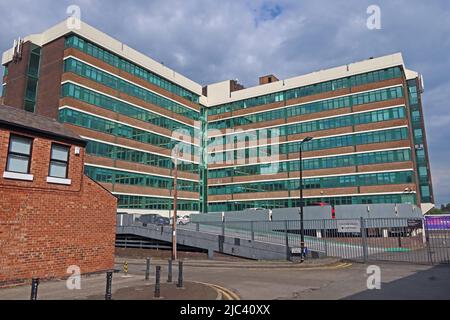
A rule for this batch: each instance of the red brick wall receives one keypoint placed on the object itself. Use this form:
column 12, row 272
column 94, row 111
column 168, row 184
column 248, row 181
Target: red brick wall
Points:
column 46, row 228
column 17, row 79
column 49, row 89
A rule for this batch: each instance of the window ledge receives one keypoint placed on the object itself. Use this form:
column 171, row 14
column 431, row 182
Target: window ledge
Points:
column 66, row 182
column 18, row 176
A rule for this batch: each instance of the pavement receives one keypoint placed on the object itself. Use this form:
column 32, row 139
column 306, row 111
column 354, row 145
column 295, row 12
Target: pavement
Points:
column 232, row 264
column 167, row 291
column 325, row 279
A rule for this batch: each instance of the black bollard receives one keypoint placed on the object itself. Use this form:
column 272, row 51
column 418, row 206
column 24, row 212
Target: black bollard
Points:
column 34, row 288
column 108, row 295
column 158, row 282
column 147, row 270
column 180, row 275
column 169, row 275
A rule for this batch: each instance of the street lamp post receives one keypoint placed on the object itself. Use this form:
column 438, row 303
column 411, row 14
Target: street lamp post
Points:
column 175, row 207
column 302, row 224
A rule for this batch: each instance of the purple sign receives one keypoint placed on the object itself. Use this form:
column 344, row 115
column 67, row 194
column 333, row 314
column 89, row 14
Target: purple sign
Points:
column 437, row 222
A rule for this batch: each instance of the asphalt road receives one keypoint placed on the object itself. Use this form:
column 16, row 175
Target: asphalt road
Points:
column 398, row 282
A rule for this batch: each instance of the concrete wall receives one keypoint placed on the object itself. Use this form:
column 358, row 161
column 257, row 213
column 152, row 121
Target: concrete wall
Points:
column 319, row 213
column 378, row 211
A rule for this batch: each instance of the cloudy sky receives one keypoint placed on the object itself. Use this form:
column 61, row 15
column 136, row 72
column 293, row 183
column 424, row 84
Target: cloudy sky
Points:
column 210, row 41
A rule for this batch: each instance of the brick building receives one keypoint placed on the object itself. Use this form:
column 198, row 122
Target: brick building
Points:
column 52, row 216
column 241, row 145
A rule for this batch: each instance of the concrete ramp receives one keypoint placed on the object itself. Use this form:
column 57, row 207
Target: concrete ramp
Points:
column 210, row 241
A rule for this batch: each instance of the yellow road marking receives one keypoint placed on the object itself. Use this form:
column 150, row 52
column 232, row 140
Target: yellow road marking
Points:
column 228, row 294
column 333, row 267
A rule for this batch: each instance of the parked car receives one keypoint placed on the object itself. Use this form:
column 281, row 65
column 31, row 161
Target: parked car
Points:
column 183, row 220
column 154, row 219
column 161, row 221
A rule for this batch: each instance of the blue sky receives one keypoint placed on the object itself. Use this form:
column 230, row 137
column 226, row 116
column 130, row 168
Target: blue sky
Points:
column 210, row 41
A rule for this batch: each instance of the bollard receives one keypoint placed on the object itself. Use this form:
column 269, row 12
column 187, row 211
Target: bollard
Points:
column 125, row 267
column 34, row 288
column 180, row 275
column 169, row 275
column 108, row 294
column 158, row 282
column 147, row 270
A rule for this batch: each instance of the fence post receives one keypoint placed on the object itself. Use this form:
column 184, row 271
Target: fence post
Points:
column 286, row 241
column 427, row 243
column 424, row 236
column 147, row 270
column 253, row 230
column 158, row 282
column 180, row 274
column 364, row 240
column 286, row 235
column 34, row 288
column 324, row 237
column 108, row 294
column 169, row 275
column 223, row 228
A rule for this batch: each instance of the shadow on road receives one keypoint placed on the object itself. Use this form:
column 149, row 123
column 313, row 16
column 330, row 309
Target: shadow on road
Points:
column 431, row 284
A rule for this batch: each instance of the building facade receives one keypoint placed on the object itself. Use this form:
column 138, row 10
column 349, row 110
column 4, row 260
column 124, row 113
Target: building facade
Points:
column 237, row 148
column 48, row 221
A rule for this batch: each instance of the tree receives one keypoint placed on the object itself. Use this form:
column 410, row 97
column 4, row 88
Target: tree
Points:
column 443, row 210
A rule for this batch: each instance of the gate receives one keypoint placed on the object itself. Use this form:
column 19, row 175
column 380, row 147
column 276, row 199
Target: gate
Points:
column 437, row 234
column 410, row 240
column 414, row 240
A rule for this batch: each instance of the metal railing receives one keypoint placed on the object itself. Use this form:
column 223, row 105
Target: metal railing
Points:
column 364, row 239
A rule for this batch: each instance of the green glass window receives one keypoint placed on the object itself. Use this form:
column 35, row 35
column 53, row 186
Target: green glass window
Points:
column 29, row 106
column 314, row 164
column 290, row 203
column 98, row 124
column 316, row 183
column 74, row 41
column 318, row 125
column 32, row 79
column 150, row 203
column 320, row 144
column 86, row 71
column 104, row 150
column 136, row 179
column 94, row 98
column 4, row 88
column 425, row 191
column 31, row 91
column 328, row 86
column 35, row 58
column 292, row 111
